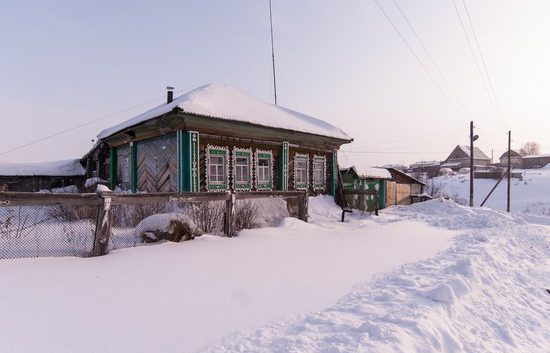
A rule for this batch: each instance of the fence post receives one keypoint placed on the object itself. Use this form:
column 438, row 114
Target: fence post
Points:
column 103, row 226
column 229, row 213
column 303, row 207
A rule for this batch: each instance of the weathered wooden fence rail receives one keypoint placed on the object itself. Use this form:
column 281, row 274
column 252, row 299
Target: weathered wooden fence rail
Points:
column 297, row 205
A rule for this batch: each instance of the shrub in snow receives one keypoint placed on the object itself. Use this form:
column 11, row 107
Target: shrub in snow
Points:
column 131, row 215
column 446, row 171
column 246, row 216
column 208, row 216
column 166, row 226
column 91, row 182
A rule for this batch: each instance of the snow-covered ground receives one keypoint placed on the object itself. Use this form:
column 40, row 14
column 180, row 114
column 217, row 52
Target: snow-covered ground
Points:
column 529, row 197
column 181, row 297
column 431, row 277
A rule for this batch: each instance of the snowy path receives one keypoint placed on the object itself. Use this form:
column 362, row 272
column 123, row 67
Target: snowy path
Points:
column 487, row 293
column 184, row 297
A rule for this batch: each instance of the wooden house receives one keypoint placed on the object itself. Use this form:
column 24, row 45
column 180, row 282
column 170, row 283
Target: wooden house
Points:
column 515, row 159
column 218, row 139
column 370, row 180
column 460, row 158
column 536, row 161
column 32, row 177
column 428, row 168
column 404, row 189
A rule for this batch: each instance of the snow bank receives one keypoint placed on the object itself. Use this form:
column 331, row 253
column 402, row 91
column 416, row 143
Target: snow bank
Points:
column 530, row 196
column 323, row 208
column 220, row 101
column 487, row 293
column 163, row 222
column 68, row 167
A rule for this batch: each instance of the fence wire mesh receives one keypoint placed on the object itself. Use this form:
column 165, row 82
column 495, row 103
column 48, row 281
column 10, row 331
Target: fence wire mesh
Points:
column 135, row 225
column 47, row 231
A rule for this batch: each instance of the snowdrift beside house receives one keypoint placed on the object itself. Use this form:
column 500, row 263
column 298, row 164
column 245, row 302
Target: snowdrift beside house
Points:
column 487, row 293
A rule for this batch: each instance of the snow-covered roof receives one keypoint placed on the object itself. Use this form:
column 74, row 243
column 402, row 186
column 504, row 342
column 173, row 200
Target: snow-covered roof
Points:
column 68, row 167
column 223, row 102
column 477, row 152
column 421, row 164
column 370, row 172
column 537, row 156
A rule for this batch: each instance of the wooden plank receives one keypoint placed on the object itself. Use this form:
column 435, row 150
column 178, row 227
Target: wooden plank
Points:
column 129, row 199
column 103, row 227
column 47, row 199
column 242, row 195
column 229, row 215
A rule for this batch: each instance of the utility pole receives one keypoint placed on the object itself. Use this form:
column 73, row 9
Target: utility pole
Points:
column 272, row 53
column 471, row 163
column 509, row 169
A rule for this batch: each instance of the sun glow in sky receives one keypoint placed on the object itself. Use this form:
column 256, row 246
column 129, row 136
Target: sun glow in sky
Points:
column 65, row 63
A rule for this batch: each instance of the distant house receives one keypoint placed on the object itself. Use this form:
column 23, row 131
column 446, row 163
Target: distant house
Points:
column 33, row 177
column 404, row 189
column 536, row 161
column 428, row 168
column 218, row 139
column 460, row 158
column 516, row 160
column 368, row 179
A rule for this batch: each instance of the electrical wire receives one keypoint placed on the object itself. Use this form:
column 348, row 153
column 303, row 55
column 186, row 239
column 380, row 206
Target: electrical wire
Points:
column 422, row 65
column 480, row 71
column 93, row 121
column 428, row 53
column 483, row 61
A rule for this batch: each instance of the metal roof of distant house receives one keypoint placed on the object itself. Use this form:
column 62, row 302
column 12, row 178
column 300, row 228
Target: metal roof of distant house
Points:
column 369, row 172
column 537, row 156
column 223, row 102
column 513, row 153
column 478, row 154
column 71, row 167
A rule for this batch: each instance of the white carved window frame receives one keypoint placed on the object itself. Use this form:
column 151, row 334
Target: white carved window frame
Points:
column 304, row 158
column 215, row 187
column 240, row 187
column 263, row 186
column 322, row 184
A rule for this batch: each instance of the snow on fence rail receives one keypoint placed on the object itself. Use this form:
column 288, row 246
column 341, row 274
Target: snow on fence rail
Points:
column 42, row 225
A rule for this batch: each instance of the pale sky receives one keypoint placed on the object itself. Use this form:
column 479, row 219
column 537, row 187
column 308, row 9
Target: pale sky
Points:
column 65, row 63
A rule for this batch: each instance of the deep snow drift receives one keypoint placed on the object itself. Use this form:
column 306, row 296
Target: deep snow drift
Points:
column 182, row 297
column 487, row 293
column 530, row 196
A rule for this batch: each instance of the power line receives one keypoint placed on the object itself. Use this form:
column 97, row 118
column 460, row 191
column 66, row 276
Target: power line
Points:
column 480, row 72
column 93, row 121
column 428, row 53
column 420, row 61
column 484, row 64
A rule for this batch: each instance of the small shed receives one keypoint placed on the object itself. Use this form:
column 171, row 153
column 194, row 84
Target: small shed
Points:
column 515, row 159
column 536, row 161
column 403, row 189
column 370, row 180
column 32, row 177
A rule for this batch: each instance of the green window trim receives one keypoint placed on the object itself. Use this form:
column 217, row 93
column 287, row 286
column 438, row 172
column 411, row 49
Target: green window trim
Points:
column 221, row 169
column 246, row 170
column 261, row 156
column 301, row 171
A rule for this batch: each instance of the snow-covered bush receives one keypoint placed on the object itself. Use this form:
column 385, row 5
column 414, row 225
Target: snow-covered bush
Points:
column 464, row 171
column 166, row 226
column 246, row 216
column 208, row 216
column 446, row 171
column 131, row 215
